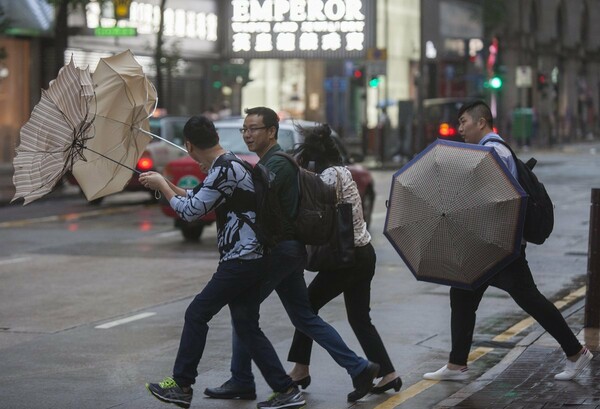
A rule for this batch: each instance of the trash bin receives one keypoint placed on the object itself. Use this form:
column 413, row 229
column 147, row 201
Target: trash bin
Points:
column 522, row 125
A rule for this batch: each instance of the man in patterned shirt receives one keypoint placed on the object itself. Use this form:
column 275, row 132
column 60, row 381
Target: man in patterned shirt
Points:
column 228, row 189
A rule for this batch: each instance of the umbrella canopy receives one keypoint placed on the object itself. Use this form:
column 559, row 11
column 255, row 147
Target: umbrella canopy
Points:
column 55, row 135
column 125, row 99
column 455, row 214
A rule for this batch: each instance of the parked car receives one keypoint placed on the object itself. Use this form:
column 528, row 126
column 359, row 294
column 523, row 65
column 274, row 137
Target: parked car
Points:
column 157, row 153
column 441, row 118
column 186, row 173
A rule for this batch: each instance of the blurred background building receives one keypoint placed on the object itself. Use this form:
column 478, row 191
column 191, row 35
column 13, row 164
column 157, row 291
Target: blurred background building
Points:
column 371, row 69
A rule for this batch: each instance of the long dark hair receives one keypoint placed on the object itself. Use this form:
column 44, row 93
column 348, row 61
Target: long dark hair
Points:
column 318, row 147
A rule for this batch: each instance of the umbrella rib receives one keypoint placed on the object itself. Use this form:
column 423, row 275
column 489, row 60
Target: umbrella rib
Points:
column 162, row 139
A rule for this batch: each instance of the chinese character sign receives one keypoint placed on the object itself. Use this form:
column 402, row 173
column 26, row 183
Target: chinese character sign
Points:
column 300, row 28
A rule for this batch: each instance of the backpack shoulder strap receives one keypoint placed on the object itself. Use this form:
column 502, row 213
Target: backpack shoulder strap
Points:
column 232, row 158
column 289, row 157
column 311, row 164
column 500, row 141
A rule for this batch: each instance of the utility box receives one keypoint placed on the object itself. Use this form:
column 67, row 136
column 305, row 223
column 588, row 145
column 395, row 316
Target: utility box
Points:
column 522, row 125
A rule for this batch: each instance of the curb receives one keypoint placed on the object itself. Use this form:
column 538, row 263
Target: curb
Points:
column 489, row 376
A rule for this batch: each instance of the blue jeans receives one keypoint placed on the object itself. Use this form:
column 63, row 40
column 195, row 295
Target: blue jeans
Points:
column 285, row 274
column 237, row 283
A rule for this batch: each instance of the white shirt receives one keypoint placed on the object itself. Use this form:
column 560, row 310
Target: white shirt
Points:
column 349, row 194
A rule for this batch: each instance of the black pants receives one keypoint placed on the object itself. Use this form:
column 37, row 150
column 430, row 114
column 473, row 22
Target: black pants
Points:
column 355, row 284
column 517, row 281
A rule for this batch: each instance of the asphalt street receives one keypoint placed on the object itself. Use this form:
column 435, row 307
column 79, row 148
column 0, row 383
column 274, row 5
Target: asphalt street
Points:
column 92, row 302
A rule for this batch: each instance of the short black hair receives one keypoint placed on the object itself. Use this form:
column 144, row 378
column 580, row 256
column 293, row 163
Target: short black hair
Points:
column 478, row 109
column 200, row 132
column 269, row 117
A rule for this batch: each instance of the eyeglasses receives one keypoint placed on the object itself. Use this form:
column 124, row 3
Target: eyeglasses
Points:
column 252, row 130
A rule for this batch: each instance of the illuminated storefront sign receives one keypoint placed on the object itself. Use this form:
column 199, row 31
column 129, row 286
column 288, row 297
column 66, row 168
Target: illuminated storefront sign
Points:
column 144, row 16
column 300, row 28
column 190, row 27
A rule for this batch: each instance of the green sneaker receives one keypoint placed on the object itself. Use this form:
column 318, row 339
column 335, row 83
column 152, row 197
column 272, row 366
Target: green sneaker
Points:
column 168, row 391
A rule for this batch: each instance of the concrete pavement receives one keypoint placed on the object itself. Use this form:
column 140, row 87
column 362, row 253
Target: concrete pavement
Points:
column 525, row 377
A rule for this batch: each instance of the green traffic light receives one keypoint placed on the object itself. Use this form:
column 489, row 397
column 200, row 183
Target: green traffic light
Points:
column 496, row 83
column 374, row 82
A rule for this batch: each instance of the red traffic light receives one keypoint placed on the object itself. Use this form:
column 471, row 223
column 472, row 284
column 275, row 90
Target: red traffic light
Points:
column 541, row 79
column 358, row 74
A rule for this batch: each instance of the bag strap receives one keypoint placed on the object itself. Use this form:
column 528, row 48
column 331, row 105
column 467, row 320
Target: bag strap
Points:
column 502, row 143
column 232, row 158
column 530, row 163
column 338, row 185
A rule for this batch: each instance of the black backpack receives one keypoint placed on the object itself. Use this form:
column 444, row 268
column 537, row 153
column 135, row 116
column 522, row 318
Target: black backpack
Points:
column 269, row 216
column 315, row 222
column 539, row 214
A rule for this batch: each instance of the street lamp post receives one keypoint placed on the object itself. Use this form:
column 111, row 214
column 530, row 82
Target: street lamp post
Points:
column 418, row 140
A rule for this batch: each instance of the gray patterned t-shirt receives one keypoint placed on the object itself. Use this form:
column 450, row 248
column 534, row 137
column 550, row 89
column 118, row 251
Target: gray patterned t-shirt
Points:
column 236, row 239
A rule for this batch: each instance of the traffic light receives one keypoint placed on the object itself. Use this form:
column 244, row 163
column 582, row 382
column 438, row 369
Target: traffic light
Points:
column 216, row 76
column 495, row 82
column 542, row 81
column 358, row 76
column 374, row 81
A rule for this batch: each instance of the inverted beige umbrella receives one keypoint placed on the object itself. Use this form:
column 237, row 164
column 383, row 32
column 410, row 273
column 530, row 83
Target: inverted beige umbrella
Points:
column 55, row 135
column 455, row 214
column 125, row 100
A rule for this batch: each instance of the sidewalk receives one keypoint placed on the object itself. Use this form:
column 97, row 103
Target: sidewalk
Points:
column 524, row 379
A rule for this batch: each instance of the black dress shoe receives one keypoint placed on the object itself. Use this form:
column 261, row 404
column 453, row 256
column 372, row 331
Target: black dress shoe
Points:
column 363, row 382
column 229, row 390
column 396, row 384
column 304, row 382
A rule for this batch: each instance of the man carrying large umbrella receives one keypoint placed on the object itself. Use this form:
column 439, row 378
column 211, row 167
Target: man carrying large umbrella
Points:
column 476, row 126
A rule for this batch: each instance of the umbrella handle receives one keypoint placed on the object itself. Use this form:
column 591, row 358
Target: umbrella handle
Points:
column 162, row 139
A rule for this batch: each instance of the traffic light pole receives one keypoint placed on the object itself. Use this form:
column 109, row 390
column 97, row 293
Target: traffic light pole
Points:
column 418, row 138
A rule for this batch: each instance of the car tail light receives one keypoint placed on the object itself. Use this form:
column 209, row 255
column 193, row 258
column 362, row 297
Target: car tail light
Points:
column 145, row 163
column 446, row 130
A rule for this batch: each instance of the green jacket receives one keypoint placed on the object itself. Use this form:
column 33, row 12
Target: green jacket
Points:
column 286, row 186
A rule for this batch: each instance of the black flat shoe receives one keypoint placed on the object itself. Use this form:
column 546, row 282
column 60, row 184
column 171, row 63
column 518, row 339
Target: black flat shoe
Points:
column 395, row 384
column 304, row 382
column 363, row 382
column 229, row 390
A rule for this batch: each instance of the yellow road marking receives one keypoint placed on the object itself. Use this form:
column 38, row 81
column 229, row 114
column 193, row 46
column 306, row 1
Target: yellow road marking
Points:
column 477, row 353
column 423, row 385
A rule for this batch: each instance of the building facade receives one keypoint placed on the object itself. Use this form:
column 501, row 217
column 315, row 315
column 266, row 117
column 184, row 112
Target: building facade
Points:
column 556, row 43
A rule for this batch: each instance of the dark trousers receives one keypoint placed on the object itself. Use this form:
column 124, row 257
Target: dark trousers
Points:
column 236, row 283
column 285, row 274
column 517, row 281
column 355, row 283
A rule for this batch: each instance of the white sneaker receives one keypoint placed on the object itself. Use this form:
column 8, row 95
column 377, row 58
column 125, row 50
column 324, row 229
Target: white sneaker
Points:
column 572, row 369
column 445, row 374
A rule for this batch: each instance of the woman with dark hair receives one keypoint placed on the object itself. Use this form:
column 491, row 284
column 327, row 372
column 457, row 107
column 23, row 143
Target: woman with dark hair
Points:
column 354, row 281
